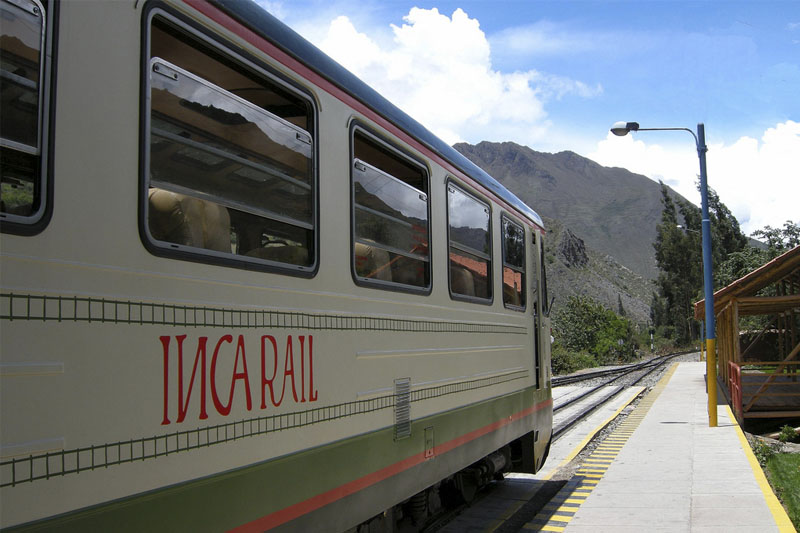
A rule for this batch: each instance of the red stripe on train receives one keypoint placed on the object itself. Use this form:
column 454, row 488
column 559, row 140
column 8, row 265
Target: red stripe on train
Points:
column 320, row 500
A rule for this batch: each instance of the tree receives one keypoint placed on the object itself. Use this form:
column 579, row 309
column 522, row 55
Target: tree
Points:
column 588, row 331
column 740, row 263
column 779, row 240
column 726, row 235
column 680, row 261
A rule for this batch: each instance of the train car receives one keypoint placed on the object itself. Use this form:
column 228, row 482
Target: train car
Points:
column 241, row 290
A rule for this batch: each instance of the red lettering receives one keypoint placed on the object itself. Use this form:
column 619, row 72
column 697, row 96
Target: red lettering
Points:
column 312, row 394
column 288, row 369
column 302, row 368
column 221, row 409
column 240, row 375
column 240, row 372
column 183, row 404
column 264, row 381
column 165, row 340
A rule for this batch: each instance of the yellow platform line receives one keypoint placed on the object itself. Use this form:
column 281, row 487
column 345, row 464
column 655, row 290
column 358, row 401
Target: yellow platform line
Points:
column 775, row 507
column 589, row 437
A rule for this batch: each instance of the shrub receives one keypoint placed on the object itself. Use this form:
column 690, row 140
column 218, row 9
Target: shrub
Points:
column 762, row 451
column 566, row 362
column 787, row 434
column 588, row 330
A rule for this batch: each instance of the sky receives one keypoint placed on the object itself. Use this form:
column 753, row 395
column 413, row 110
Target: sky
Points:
column 555, row 75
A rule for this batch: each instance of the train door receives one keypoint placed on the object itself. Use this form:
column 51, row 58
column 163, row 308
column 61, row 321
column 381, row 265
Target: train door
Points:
column 533, row 452
column 536, row 307
column 543, row 319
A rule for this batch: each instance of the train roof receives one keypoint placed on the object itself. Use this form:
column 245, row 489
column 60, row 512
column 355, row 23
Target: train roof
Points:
column 272, row 29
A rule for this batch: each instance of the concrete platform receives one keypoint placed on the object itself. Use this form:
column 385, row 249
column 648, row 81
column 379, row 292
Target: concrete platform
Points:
column 664, row 469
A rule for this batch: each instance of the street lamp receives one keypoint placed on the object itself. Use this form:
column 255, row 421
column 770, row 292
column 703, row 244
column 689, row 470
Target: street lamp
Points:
column 622, row 129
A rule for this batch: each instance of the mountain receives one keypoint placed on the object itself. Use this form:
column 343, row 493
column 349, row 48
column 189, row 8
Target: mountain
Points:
column 574, row 269
column 612, row 210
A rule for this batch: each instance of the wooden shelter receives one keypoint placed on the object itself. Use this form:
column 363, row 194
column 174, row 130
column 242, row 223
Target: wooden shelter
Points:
column 761, row 368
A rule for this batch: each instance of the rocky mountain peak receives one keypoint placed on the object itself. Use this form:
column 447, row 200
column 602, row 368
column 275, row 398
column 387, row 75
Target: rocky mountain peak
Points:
column 572, row 250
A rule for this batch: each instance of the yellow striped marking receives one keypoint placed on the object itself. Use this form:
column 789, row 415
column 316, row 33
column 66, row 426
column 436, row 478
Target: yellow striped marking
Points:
column 574, row 493
column 571, row 508
column 590, row 436
column 543, row 528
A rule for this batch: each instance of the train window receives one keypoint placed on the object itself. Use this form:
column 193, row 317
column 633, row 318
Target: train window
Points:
column 231, row 158
column 390, row 217
column 513, row 264
column 23, row 28
column 470, row 243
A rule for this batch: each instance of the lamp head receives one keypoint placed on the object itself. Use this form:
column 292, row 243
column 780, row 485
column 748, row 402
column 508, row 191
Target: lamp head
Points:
column 622, row 128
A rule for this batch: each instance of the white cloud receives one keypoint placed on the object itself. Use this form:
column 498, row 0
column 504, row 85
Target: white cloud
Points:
column 759, row 181
column 438, row 70
column 545, row 38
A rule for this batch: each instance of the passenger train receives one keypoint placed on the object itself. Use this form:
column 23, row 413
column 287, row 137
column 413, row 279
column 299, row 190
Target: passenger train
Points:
column 242, row 291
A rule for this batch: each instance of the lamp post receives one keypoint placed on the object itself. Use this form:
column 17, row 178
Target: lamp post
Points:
column 621, row 129
column 682, row 228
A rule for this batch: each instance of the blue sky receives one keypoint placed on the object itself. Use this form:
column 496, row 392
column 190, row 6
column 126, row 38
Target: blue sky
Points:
column 554, row 75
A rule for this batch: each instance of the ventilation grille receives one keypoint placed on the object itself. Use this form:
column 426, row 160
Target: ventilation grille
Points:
column 402, row 408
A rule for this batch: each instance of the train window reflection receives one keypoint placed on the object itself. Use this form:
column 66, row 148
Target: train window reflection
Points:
column 390, row 217
column 470, row 245
column 513, row 264
column 22, row 42
column 227, row 175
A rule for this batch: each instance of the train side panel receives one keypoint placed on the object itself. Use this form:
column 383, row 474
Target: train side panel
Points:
column 147, row 391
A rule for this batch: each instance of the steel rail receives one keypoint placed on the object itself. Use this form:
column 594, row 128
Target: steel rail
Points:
column 653, row 365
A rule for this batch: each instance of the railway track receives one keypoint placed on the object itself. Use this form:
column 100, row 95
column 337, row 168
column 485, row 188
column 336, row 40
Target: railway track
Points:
column 584, row 376
column 627, row 376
